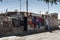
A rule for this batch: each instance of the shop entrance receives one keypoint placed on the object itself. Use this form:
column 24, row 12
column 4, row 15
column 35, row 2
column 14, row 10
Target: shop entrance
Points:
column 25, row 23
column 16, row 22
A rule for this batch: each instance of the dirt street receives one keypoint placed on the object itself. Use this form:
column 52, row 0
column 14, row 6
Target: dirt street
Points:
column 40, row 36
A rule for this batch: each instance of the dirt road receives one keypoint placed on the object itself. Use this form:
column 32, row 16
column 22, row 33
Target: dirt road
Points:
column 40, row 36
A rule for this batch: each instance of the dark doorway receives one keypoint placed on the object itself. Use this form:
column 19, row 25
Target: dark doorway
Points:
column 25, row 23
column 16, row 22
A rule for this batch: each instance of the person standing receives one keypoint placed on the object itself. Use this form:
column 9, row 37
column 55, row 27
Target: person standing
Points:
column 47, row 24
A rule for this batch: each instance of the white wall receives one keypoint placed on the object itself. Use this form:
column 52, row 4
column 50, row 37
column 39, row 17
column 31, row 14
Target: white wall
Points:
column 58, row 16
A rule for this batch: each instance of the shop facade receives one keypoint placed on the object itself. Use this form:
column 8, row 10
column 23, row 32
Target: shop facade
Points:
column 14, row 23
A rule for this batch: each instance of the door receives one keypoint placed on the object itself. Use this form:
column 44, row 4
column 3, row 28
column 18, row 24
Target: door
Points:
column 25, row 24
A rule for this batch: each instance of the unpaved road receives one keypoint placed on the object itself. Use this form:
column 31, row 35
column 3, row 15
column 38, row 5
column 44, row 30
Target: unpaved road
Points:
column 40, row 36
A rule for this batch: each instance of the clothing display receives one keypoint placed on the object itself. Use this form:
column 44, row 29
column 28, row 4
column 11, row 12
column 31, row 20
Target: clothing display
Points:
column 39, row 22
column 42, row 23
column 34, row 21
column 16, row 22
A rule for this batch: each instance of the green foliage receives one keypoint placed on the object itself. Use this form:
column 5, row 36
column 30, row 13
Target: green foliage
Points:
column 51, row 1
column 47, row 1
column 0, row 0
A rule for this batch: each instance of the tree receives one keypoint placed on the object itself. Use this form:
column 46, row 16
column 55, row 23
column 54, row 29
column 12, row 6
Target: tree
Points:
column 0, row 0
column 50, row 1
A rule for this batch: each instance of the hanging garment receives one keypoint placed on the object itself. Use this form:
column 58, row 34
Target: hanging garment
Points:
column 37, row 22
column 31, row 24
column 34, row 25
column 43, row 22
column 13, row 23
column 40, row 21
column 17, row 22
column 34, row 21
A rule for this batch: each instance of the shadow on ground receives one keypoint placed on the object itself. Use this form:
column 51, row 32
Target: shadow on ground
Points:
column 25, row 33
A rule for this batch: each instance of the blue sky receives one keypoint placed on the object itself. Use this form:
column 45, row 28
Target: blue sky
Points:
column 34, row 6
column 9, row 4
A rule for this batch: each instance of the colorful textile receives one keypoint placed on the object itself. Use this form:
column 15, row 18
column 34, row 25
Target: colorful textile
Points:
column 33, row 19
column 30, row 23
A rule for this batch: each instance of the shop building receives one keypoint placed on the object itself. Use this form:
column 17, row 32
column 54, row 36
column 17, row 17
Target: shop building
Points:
column 13, row 22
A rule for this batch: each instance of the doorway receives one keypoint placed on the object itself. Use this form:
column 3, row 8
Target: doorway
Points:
column 25, row 23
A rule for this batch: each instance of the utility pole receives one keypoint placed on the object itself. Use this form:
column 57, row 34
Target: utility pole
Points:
column 48, row 7
column 20, row 5
column 25, row 17
column 26, row 5
column 1, row 1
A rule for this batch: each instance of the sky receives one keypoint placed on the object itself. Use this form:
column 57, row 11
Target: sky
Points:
column 33, row 6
